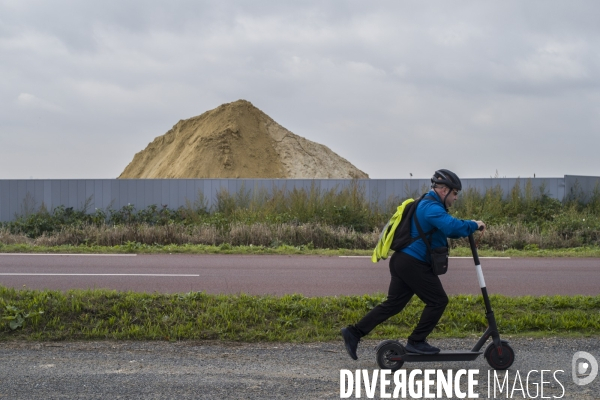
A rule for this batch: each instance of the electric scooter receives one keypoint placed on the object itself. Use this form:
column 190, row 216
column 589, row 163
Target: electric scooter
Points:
column 499, row 355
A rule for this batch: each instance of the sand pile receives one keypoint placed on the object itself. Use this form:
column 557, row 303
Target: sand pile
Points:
column 236, row 140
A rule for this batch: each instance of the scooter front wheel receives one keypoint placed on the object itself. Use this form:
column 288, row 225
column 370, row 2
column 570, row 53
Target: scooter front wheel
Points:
column 386, row 351
column 500, row 360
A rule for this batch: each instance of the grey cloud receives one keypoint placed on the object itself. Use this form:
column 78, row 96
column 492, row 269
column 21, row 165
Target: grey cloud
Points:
column 494, row 85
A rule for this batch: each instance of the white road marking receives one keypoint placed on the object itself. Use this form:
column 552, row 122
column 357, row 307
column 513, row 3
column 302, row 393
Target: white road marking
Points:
column 66, row 254
column 497, row 258
column 51, row 274
column 355, row 256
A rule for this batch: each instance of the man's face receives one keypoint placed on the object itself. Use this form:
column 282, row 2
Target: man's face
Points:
column 451, row 198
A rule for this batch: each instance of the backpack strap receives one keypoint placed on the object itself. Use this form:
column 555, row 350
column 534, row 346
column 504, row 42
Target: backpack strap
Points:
column 423, row 235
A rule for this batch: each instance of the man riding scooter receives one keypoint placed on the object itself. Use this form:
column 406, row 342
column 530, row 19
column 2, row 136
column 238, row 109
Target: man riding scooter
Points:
column 411, row 268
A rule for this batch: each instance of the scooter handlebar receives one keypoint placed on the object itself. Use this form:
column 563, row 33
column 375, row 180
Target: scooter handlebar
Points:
column 474, row 250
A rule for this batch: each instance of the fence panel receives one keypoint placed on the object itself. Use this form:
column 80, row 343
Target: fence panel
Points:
column 22, row 196
column 581, row 187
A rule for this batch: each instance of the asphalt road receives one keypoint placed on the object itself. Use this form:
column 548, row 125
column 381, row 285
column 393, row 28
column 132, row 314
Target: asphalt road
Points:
column 278, row 275
column 206, row 370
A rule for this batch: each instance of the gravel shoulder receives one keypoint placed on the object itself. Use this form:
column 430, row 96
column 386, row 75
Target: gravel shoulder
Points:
column 217, row 370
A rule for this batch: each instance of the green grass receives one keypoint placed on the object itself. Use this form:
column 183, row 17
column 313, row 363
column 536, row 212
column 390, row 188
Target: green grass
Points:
column 139, row 248
column 584, row 251
column 103, row 314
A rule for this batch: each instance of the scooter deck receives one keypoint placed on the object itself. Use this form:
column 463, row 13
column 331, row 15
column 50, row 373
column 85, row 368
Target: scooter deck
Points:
column 441, row 356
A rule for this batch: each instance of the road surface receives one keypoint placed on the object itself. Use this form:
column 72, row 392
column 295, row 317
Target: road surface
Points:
column 216, row 370
column 280, row 274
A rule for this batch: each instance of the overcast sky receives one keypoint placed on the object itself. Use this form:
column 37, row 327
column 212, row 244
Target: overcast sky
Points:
column 395, row 87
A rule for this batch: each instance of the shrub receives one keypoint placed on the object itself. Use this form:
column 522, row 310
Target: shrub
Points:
column 335, row 218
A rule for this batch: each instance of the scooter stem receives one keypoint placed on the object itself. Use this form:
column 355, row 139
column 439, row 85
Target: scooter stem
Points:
column 486, row 300
column 492, row 329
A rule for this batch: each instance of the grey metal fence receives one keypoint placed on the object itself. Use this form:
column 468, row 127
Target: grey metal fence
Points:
column 18, row 197
column 581, row 187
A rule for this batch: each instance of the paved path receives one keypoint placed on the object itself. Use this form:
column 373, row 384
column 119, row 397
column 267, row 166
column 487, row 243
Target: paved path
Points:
column 204, row 370
column 278, row 275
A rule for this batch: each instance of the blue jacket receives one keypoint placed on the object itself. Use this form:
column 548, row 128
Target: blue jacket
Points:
column 433, row 214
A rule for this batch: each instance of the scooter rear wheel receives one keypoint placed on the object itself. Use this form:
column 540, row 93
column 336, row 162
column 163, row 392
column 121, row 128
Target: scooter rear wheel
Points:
column 387, row 350
column 497, row 361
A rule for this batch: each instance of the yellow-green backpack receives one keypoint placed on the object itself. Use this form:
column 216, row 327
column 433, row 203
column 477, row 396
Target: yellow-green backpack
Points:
column 395, row 234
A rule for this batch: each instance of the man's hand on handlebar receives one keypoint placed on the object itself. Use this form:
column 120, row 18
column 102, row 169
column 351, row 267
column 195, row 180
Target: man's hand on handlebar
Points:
column 480, row 225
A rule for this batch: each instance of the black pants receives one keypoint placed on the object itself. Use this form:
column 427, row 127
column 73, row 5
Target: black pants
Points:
column 409, row 277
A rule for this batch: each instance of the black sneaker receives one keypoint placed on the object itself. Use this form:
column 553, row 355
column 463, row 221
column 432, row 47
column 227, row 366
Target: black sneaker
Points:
column 351, row 342
column 421, row 347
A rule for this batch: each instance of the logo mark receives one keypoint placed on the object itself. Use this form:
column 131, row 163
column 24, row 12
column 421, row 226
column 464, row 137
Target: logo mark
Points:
column 584, row 372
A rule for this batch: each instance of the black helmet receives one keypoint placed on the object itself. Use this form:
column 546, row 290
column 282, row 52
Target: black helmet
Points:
column 446, row 177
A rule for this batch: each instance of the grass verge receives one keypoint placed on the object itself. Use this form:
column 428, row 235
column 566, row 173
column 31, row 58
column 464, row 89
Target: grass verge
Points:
column 102, row 314
column 139, row 248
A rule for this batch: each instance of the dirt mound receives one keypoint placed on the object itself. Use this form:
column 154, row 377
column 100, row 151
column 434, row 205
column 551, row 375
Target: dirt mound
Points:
column 236, row 140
